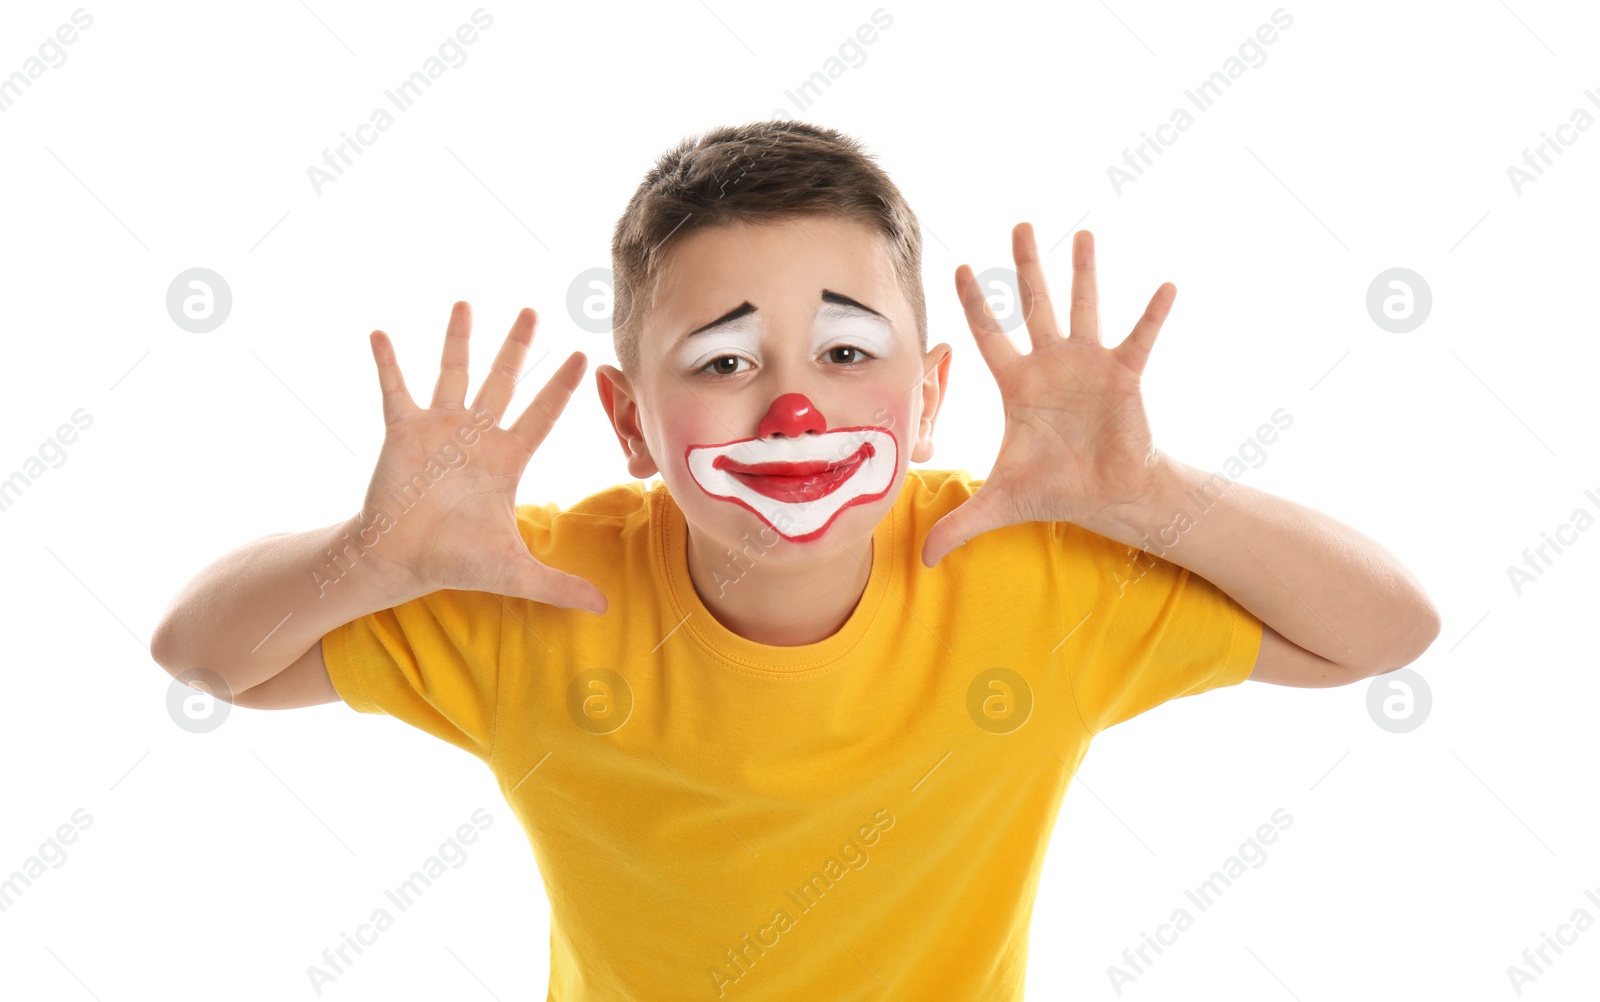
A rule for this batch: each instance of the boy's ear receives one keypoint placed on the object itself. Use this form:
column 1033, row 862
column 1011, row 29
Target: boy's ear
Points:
column 622, row 407
column 933, row 385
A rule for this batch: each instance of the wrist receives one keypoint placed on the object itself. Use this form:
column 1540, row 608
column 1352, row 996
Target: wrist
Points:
column 1147, row 521
column 354, row 552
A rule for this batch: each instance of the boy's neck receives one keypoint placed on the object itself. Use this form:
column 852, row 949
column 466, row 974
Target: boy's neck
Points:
column 781, row 606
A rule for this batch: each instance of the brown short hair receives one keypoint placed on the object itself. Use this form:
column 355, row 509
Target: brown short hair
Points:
column 758, row 172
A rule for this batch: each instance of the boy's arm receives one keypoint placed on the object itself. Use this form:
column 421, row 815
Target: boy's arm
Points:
column 1077, row 448
column 440, row 514
column 1339, row 607
column 253, row 612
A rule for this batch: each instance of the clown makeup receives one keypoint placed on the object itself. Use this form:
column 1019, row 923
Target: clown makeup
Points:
column 796, row 474
column 800, row 483
column 840, row 320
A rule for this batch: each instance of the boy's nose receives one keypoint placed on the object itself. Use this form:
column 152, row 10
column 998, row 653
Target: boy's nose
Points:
column 793, row 415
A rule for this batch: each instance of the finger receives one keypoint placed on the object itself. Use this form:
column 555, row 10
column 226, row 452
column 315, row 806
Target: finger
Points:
column 1085, row 297
column 535, row 422
column 495, row 393
column 542, row 583
column 452, row 384
column 1034, row 293
column 970, row 518
column 397, row 402
column 1134, row 350
column 993, row 343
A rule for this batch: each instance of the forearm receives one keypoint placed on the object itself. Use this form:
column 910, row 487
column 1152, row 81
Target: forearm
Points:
column 252, row 612
column 1313, row 579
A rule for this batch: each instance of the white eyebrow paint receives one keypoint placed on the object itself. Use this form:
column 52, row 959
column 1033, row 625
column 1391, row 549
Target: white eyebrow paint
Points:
column 833, row 324
column 741, row 334
column 863, row 330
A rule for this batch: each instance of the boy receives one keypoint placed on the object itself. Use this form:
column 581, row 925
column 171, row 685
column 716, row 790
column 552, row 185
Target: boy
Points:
column 816, row 747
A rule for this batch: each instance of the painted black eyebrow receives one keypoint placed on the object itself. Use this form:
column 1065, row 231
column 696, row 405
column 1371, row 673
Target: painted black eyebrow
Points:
column 745, row 308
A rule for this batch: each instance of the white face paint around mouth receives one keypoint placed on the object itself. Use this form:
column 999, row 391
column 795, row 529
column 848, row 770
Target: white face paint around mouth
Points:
column 799, row 485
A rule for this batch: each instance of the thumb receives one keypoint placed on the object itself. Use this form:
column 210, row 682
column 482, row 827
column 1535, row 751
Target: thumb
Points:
column 527, row 578
column 972, row 517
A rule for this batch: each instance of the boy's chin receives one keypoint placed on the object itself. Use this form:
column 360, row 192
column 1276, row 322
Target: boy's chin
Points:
column 738, row 528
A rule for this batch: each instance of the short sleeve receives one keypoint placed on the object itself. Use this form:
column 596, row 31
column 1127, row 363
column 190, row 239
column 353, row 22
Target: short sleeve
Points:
column 432, row 662
column 1151, row 629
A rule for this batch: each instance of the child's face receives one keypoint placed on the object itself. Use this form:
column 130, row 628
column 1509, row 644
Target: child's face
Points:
column 806, row 354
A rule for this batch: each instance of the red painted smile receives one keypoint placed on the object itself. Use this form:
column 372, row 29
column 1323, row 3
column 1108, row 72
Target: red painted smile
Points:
column 792, row 482
column 795, row 474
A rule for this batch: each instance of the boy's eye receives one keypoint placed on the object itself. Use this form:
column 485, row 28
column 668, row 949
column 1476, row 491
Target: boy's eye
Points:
column 852, row 348
column 715, row 367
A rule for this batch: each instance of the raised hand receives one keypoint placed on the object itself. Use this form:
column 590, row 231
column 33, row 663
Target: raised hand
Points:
column 447, row 476
column 1076, row 445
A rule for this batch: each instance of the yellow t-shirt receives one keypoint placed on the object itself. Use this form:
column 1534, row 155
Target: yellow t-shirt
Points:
column 718, row 818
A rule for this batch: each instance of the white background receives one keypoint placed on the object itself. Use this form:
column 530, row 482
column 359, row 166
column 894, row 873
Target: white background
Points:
column 1418, row 865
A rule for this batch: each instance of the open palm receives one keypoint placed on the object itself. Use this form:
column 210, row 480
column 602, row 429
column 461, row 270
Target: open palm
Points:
column 443, row 495
column 1076, row 441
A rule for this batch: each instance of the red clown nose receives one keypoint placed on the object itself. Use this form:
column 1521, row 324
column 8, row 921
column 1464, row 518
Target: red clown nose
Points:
column 792, row 415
